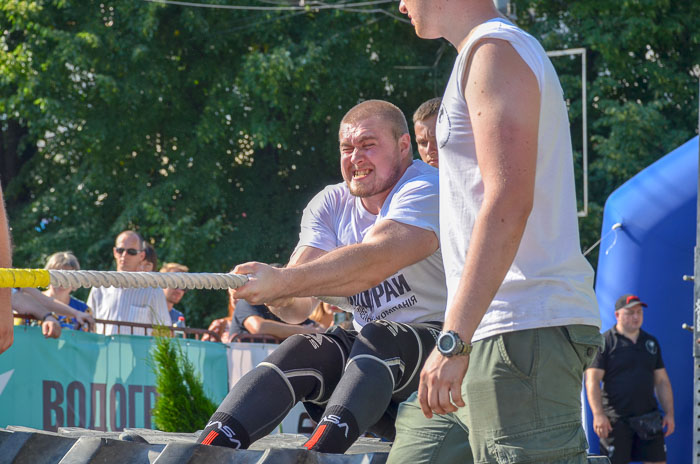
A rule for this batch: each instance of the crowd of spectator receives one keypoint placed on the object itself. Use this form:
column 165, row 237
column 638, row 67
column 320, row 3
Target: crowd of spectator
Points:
column 55, row 309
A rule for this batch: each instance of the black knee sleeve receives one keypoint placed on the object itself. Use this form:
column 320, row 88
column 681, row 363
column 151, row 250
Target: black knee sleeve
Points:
column 312, row 364
column 384, row 362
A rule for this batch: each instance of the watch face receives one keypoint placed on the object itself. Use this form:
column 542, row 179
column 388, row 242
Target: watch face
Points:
column 446, row 342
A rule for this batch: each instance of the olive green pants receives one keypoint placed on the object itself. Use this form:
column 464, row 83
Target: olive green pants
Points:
column 523, row 403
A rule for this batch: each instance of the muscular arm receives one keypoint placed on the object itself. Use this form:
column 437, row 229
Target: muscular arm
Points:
column 53, row 305
column 296, row 310
column 6, row 330
column 24, row 303
column 504, row 104
column 662, row 385
column 388, row 247
column 503, row 99
column 258, row 325
column 601, row 423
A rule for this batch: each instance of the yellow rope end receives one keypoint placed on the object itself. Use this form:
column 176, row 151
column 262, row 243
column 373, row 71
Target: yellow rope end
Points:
column 22, row 278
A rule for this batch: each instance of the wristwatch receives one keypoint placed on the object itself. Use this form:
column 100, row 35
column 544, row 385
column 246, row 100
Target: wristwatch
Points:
column 449, row 344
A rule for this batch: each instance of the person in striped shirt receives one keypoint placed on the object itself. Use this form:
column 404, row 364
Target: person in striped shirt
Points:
column 144, row 305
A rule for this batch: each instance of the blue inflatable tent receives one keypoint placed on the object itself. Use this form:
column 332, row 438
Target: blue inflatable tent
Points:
column 648, row 256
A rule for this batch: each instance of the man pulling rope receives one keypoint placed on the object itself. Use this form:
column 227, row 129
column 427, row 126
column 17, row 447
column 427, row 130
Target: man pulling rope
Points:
column 377, row 231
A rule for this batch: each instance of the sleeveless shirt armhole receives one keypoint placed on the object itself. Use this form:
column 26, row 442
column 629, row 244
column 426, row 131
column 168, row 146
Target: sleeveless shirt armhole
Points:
column 521, row 47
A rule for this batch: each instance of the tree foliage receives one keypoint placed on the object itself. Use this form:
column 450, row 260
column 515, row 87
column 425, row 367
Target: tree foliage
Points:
column 208, row 130
column 182, row 405
column 643, row 65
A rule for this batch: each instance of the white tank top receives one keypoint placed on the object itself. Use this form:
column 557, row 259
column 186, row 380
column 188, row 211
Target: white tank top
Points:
column 550, row 283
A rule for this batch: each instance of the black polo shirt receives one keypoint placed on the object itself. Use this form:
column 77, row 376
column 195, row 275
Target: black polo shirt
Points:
column 628, row 382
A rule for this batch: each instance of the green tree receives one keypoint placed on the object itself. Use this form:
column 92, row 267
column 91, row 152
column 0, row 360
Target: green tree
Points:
column 207, row 130
column 182, row 405
column 643, row 69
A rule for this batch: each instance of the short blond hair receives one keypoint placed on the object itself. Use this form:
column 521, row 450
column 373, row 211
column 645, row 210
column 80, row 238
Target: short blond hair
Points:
column 174, row 267
column 381, row 109
column 62, row 260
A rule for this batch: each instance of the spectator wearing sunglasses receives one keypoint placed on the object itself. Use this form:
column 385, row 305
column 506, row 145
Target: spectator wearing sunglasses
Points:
column 174, row 295
column 143, row 305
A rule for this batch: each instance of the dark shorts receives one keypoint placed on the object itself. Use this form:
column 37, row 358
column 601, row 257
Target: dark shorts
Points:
column 623, row 446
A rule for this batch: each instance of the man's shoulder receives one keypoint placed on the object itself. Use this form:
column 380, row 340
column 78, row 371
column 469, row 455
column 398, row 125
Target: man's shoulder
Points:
column 644, row 335
column 339, row 191
column 419, row 171
column 130, row 294
column 610, row 332
column 146, row 292
column 245, row 309
column 608, row 340
column 418, row 177
column 154, row 291
column 331, row 197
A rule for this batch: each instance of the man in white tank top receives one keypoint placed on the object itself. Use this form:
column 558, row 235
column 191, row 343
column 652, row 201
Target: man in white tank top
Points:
column 522, row 323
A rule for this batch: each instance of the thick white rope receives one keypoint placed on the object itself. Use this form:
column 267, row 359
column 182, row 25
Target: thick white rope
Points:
column 183, row 280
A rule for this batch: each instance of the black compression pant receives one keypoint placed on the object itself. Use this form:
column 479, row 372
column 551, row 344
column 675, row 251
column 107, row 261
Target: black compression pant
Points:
column 349, row 383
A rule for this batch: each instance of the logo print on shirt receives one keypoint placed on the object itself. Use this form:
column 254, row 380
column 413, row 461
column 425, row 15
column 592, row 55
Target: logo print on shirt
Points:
column 444, row 127
column 376, row 297
column 651, row 346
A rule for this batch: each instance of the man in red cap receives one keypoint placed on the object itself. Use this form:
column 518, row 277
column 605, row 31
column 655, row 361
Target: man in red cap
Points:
column 625, row 412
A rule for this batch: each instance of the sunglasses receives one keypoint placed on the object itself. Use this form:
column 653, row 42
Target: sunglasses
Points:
column 129, row 251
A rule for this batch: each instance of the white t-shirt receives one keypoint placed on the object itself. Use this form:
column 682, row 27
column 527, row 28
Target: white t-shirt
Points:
column 335, row 218
column 550, row 283
column 144, row 305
